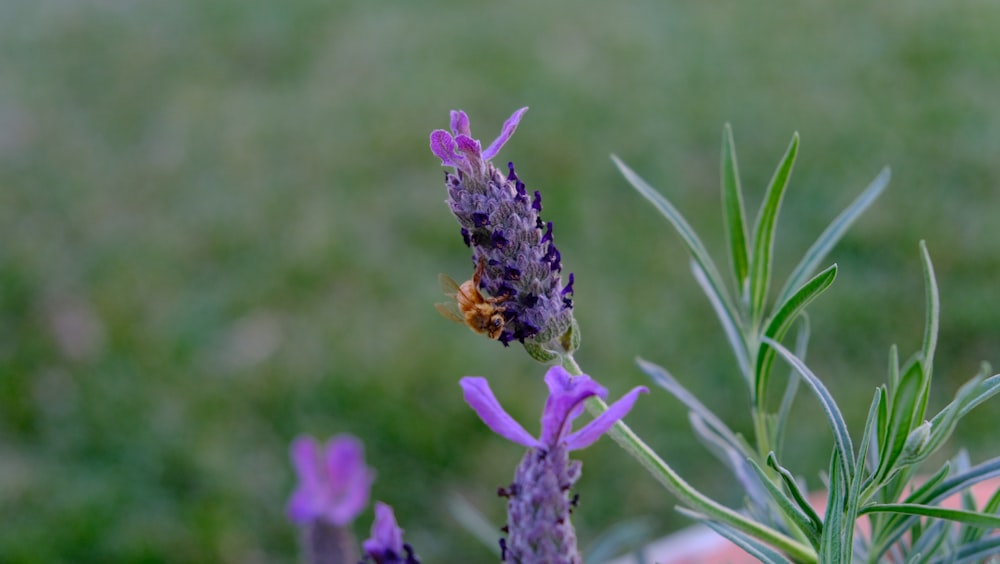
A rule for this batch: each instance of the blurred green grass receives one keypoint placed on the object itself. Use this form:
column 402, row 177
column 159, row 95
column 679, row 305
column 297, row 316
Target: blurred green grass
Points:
column 221, row 226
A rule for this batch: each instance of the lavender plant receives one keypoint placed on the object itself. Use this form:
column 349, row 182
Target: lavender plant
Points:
column 876, row 481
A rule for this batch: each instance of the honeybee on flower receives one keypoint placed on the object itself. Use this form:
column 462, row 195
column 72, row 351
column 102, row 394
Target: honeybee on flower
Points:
column 481, row 313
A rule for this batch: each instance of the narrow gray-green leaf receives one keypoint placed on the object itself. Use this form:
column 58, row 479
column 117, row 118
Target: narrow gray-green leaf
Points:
column 782, row 319
column 933, row 309
column 732, row 205
column 832, row 540
column 855, row 486
column 792, row 387
column 929, row 542
column 714, row 286
column 987, row 389
column 899, row 523
column 973, row 518
column 666, row 381
column 684, row 229
column 728, row 317
column 977, row 552
column 841, row 438
column 818, row 251
column 752, row 546
column 793, row 513
column 992, row 506
column 802, row 503
column 972, row 393
column 900, row 420
column 978, row 473
column 763, row 233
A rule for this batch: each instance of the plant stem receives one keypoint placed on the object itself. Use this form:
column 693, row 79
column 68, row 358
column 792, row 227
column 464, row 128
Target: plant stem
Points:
column 632, row 444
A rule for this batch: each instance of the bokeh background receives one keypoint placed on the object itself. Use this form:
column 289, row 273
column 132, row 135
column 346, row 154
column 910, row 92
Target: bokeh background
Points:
column 221, row 226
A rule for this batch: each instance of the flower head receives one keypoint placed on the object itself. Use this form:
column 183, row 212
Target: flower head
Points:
column 502, row 225
column 334, row 482
column 386, row 544
column 538, row 502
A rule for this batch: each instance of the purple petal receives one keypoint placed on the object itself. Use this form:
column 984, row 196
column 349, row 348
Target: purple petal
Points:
column 468, row 146
column 386, row 537
column 480, row 398
column 443, row 146
column 350, row 479
column 460, row 123
column 508, row 129
column 593, row 430
column 565, row 403
column 303, row 506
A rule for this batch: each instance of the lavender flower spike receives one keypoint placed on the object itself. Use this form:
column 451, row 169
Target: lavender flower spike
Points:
column 334, row 485
column 522, row 268
column 538, row 505
column 386, row 543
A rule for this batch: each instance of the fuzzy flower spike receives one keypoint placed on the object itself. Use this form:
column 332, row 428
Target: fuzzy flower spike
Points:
column 538, row 502
column 521, row 266
column 334, row 485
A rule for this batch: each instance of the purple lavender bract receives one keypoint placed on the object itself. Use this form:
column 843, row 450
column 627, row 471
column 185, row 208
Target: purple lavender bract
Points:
column 386, row 545
column 502, row 225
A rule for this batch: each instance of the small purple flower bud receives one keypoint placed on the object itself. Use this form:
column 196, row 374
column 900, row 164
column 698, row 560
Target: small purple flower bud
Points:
column 538, row 501
column 386, row 544
column 507, row 235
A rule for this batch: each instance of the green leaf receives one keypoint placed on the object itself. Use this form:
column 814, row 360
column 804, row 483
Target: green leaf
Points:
column 666, row 381
column 933, row 309
column 903, row 403
column 978, row 473
column 792, row 387
column 817, row 253
column 752, row 546
column 930, row 484
column 763, row 233
column 971, row 394
column 812, row 519
column 785, row 314
column 732, row 205
column 714, row 287
column 976, row 552
column 973, row 518
column 841, row 438
column 928, row 542
column 992, row 506
column 987, row 389
column 929, row 495
column 881, row 430
column 854, row 492
column 729, row 322
column 793, row 513
column 831, row 543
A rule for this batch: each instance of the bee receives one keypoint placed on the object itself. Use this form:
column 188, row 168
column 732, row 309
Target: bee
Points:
column 481, row 313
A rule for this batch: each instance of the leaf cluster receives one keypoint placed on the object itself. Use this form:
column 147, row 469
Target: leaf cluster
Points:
column 876, row 483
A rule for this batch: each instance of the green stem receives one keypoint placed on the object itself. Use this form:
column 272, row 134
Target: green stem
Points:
column 691, row 497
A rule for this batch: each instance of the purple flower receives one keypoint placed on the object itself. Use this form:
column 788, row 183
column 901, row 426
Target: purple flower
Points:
column 386, row 543
column 498, row 219
column 334, row 482
column 538, row 502
column 565, row 403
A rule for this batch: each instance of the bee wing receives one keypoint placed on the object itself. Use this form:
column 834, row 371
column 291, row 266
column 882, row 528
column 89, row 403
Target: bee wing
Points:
column 449, row 310
column 448, row 284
